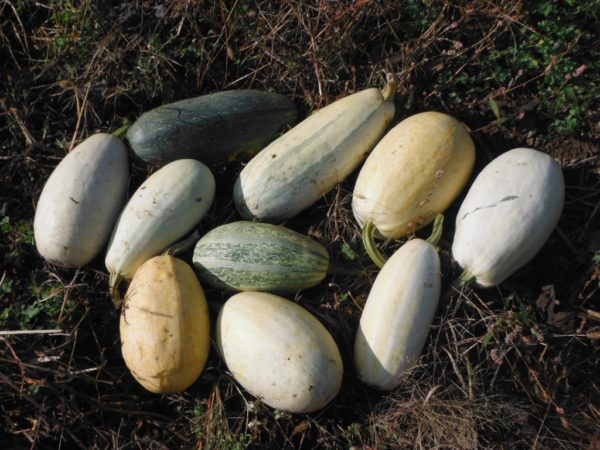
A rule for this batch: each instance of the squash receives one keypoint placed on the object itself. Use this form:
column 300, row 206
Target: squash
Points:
column 297, row 169
column 279, row 352
column 507, row 215
column 413, row 174
column 81, row 200
column 165, row 326
column 398, row 313
column 166, row 207
column 213, row 128
column 252, row 256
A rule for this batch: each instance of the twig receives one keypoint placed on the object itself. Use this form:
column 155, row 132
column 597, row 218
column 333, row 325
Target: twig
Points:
column 71, row 374
column 23, row 39
column 81, row 106
column 6, row 380
column 27, row 332
column 67, row 291
column 29, row 139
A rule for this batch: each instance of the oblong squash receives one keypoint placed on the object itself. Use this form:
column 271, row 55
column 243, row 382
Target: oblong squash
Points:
column 298, row 168
column 213, row 128
column 413, row 174
column 279, row 352
column 81, row 200
column 252, row 256
column 162, row 210
column 508, row 214
column 398, row 314
column 165, row 326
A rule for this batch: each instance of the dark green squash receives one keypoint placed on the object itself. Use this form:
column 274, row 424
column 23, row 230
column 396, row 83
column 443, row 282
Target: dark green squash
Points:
column 253, row 256
column 214, row 128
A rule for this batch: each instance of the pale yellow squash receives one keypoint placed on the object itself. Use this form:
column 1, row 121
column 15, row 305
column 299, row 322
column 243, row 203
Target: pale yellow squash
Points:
column 165, row 326
column 413, row 174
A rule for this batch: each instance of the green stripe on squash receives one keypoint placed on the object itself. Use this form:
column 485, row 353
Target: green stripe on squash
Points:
column 296, row 170
column 251, row 256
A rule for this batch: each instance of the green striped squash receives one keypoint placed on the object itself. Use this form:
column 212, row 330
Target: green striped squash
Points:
column 298, row 168
column 252, row 256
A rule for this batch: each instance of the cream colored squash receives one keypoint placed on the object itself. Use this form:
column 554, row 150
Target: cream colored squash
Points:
column 162, row 210
column 81, row 200
column 279, row 352
column 297, row 169
column 508, row 214
column 165, row 326
column 397, row 316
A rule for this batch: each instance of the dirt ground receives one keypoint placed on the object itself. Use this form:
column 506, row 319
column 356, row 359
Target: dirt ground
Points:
column 515, row 366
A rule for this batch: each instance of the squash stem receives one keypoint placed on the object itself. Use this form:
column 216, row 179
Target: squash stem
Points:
column 465, row 278
column 436, row 234
column 389, row 90
column 183, row 245
column 369, row 243
column 114, row 281
column 120, row 132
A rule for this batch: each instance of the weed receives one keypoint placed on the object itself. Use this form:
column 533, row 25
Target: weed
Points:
column 210, row 425
column 5, row 225
column 348, row 252
column 516, row 323
column 6, row 286
column 551, row 53
column 21, row 232
column 19, row 236
column 45, row 309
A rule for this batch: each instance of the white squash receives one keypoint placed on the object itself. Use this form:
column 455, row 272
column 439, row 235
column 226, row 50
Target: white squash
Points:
column 507, row 216
column 279, row 352
column 162, row 210
column 398, row 314
column 413, row 174
column 81, row 200
column 296, row 170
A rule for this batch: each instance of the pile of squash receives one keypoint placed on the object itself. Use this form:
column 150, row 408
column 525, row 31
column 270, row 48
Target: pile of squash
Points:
column 273, row 347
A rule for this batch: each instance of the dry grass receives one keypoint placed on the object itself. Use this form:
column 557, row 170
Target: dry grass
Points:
column 513, row 367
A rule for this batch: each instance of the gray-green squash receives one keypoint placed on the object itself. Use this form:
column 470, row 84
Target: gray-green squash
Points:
column 213, row 128
column 252, row 256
